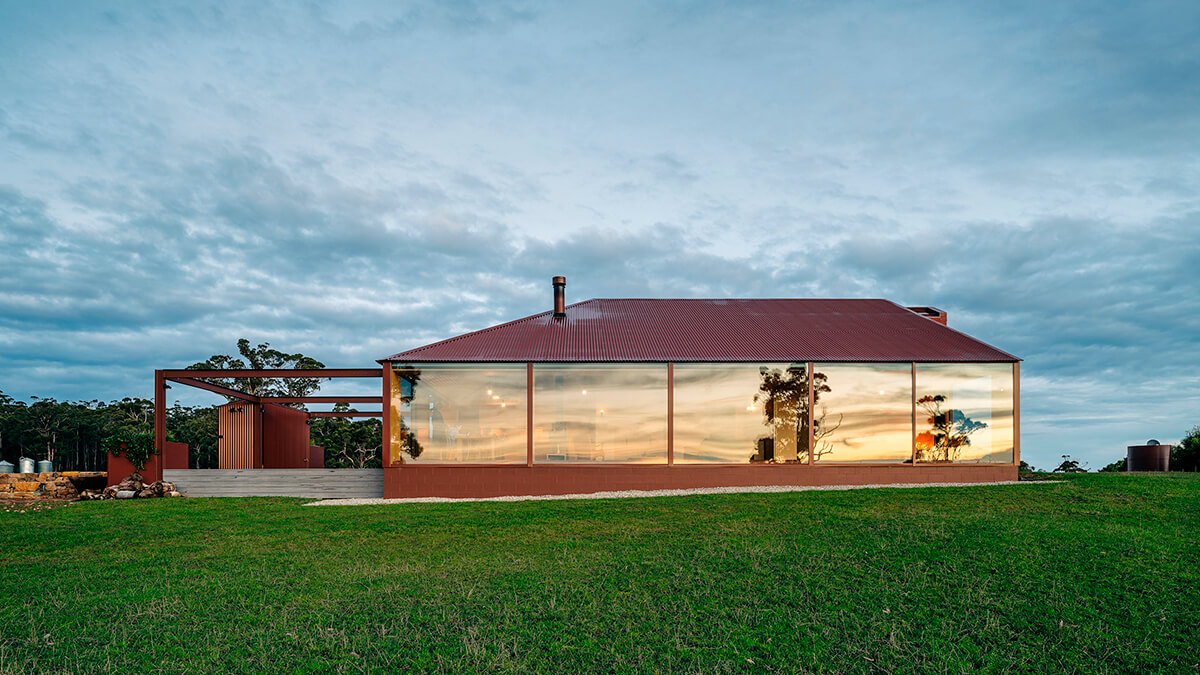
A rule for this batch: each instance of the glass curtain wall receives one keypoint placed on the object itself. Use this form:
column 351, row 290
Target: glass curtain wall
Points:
column 863, row 413
column 595, row 413
column 741, row 413
column 964, row 412
column 459, row 414
column 723, row 413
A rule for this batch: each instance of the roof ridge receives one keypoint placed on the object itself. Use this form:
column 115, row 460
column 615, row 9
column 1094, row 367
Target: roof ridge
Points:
column 744, row 300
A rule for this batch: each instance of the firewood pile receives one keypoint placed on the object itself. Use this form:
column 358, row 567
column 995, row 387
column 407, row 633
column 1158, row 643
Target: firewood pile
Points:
column 133, row 488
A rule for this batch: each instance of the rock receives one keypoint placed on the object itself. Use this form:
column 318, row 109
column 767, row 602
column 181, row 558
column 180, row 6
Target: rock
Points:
column 148, row 492
column 125, row 494
column 174, row 493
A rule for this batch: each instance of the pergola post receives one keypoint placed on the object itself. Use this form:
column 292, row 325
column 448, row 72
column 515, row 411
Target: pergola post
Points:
column 160, row 412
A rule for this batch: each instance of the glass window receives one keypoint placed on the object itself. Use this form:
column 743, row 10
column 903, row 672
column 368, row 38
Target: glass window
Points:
column 863, row 412
column 595, row 413
column 742, row 413
column 965, row 412
column 459, row 413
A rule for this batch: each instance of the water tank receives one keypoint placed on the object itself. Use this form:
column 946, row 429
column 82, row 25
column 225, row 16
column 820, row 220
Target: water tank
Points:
column 6, row 467
column 44, row 466
column 25, row 464
column 1152, row 456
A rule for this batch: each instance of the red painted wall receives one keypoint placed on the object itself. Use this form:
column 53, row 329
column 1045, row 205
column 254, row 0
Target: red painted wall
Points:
column 119, row 468
column 316, row 457
column 175, row 455
column 284, row 437
column 495, row 481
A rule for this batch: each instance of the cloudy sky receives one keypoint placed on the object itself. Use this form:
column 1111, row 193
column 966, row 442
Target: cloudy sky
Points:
column 350, row 182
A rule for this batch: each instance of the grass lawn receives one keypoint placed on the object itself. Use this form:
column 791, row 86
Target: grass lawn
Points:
column 1100, row 573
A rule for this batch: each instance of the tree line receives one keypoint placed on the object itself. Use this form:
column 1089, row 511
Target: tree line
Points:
column 70, row 434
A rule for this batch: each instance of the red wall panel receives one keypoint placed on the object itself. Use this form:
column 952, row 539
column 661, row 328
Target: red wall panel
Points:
column 284, row 437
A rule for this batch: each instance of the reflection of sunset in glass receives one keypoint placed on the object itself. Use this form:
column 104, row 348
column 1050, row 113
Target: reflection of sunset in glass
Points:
column 867, row 413
column 965, row 412
column 723, row 413
column 716, row 418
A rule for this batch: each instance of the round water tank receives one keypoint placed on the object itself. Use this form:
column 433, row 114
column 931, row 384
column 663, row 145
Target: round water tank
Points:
column 44, row 466
column 25, row 465
column 6, row 467
column 1148, row 458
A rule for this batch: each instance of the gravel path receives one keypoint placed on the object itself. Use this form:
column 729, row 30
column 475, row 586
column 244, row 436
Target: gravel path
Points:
column 625, row 494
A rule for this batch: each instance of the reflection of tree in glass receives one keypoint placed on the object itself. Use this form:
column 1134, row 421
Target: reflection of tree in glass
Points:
column 949, row 431
column 409, row 443
column 784, row 399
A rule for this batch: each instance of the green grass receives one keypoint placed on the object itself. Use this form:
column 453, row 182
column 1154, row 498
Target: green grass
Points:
column 1100, row 573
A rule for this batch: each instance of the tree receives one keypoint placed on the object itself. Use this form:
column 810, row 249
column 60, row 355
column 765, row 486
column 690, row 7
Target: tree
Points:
column 67, row 433
column 1117, row 466
column 46, row 418
column 355, row 444
column 196, row 426
column 1186, row 455
column 263, row 357
column 784, row 399
column 1070, row 466
column 949, row 431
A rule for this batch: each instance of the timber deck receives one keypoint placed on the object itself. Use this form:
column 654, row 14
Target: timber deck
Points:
column 310, row 483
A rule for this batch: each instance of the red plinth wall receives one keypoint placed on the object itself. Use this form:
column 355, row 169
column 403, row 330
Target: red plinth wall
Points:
column 175, row 455
column 119, row 468
column 497, row 481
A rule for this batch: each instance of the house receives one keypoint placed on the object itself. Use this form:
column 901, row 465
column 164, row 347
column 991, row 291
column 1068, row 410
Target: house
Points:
column 643, row 394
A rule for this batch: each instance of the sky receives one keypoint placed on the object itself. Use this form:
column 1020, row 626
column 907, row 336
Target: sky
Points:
column 353, row 181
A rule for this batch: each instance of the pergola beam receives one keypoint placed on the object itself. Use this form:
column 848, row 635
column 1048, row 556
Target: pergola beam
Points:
column 321, row 399
column 319, row 373
column 216, row 388
column 342, row 413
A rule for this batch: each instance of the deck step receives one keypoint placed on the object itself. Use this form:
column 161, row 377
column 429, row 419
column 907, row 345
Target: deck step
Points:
column 311, row 483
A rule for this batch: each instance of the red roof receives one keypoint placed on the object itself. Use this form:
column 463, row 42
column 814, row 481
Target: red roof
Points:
column 715, row 330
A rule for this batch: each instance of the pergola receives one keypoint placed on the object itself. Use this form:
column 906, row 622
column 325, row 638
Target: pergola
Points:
column 191, row 378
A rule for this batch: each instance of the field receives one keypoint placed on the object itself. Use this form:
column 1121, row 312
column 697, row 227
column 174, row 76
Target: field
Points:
column 1099, row 573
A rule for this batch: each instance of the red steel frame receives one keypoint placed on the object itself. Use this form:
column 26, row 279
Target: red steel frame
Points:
column 188, row 377
column 477, row 480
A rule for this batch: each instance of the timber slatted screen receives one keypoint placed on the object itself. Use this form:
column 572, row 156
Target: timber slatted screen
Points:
column 238, row 425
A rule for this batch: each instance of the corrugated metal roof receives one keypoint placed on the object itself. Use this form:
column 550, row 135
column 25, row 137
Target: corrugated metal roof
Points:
column 715, row 330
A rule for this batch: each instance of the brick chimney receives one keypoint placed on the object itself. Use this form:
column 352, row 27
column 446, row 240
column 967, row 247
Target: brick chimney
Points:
column 931, row 313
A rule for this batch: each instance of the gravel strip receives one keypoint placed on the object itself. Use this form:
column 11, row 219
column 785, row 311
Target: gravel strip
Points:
column 626, row 494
